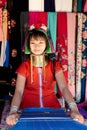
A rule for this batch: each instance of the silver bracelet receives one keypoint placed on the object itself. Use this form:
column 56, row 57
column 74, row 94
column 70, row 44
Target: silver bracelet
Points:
column 14, row 108
column 72, row 105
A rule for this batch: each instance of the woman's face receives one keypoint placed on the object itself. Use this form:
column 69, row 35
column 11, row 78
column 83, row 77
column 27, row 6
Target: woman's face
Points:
column 37, row 45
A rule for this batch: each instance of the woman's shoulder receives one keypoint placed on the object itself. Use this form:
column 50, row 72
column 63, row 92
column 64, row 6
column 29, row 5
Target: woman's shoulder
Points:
column 25, row 62
column 23, row 68
column 55, row 65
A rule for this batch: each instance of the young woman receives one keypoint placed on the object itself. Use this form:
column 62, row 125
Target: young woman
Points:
column 36, row 79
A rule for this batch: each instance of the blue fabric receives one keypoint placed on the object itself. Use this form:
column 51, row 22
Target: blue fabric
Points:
column 62, row 122
column 6, row 63
column 84, row 59
column 79, row 5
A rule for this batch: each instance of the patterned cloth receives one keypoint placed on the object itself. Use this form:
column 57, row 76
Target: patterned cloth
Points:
column 71, row 30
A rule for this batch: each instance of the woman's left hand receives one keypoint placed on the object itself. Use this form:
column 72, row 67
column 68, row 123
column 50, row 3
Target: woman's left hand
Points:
column 77, row 116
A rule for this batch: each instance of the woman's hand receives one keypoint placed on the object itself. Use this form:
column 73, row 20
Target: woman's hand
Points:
column 12, row 119
column 77, row 116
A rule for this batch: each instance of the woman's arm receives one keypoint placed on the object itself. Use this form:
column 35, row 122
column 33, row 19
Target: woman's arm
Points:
column 16, row 101
column 20, row 83
column 68, row 96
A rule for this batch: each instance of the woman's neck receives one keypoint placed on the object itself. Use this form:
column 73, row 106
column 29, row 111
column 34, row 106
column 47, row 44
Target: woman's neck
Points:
column 39, row 61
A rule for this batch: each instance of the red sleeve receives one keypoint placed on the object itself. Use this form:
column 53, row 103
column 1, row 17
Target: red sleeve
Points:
column 23, row 69
column 57, row 66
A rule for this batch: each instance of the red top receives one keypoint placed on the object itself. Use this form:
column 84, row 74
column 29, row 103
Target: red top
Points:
column 33, row 93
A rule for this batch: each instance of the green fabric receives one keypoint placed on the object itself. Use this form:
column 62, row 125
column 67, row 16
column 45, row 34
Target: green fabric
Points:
column 52, row 23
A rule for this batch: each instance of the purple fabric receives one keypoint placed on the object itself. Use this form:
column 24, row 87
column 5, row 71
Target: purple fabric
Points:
column 83, row 112
column 82, row 107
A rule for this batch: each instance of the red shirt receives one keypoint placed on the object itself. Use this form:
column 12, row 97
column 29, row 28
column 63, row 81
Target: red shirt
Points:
column 34, row 94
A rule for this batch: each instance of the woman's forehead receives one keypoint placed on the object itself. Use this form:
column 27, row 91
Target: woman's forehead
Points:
column 37, row 38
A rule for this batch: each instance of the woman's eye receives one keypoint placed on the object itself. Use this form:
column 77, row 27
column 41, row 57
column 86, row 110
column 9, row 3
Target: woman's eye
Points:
column 41, row 42
column 32, row 42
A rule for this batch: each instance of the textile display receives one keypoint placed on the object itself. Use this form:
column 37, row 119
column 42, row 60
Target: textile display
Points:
column 55, row 6
column 67, row 43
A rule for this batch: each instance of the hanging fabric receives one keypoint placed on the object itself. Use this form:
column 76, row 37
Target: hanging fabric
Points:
column 4, row 44
column 85, row 6
column 62, row 41
column 52, row 25
column 1, row 30
column 74, row 6
column 6, row 63
column 62, row 6
column 79, row 5
column 39, row 6
column 84, row 57
column 71, row 30
column 37, row 17
column 23, row 27
column 78, row 56
column 49, row 6
column 2, row 3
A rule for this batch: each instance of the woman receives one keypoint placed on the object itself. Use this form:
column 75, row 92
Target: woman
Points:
column 36, row 79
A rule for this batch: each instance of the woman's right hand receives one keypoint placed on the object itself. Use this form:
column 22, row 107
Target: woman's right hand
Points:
column 12, row 119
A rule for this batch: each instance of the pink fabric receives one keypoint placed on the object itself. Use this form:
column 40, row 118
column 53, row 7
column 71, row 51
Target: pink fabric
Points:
column 85, row 7
column 71, row 25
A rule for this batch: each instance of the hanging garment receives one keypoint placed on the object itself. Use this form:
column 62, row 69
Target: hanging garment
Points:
column 78, row 56
column 23, row 26
column 52, row 25
column 49, row 6
column 63, row 5
column 71, row 30
column 79, row 5
column 2, row 3
column 23, row 30
column 38, row 6
column 1, row 30
column 6, row 62
column 5, row 36
column 85, row 6
column 74, row 6
column 37, row 17
column 62, row 41
column 84, row 57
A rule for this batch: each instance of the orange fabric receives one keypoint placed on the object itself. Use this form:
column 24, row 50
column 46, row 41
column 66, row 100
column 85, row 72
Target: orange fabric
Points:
column 31, row 91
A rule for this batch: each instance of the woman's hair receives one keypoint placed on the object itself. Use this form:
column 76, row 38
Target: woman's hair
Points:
column 35, row 33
